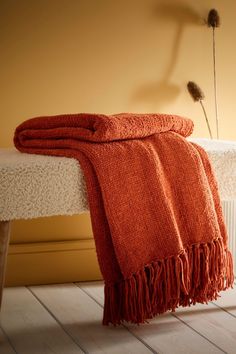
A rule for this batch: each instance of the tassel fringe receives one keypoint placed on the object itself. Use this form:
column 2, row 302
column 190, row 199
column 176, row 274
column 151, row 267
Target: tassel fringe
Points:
column 196, row 275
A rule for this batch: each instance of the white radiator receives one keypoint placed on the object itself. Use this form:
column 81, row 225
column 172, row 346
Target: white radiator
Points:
column 229, row 210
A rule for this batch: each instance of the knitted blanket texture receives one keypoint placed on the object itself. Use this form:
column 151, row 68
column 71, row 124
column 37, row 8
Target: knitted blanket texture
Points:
column 160, row 236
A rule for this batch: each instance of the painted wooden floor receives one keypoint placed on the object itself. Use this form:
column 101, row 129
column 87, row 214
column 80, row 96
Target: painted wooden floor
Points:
column 66, row 319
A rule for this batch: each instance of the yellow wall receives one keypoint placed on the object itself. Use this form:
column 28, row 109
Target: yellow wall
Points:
column 65, row 56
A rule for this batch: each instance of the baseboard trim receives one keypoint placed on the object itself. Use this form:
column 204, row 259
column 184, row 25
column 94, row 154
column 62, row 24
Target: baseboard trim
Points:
column 52, row 262
column 55, row 246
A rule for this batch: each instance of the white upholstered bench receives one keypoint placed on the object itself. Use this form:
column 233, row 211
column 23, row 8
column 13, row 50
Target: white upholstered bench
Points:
column 33, row 186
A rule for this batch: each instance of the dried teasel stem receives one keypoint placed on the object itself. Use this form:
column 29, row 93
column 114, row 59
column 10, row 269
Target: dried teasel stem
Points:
column 207, row 121
column 195, row 92
column 198, row 96
column 215, row 85
column 213, row 21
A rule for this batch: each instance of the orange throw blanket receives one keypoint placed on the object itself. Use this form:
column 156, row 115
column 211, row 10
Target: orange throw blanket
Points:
column 160, row 236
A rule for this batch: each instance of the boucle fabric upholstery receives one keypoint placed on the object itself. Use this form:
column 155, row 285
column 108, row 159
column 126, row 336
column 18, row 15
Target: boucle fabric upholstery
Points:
column 32, row 186
column 156, row 215
column 222, row 155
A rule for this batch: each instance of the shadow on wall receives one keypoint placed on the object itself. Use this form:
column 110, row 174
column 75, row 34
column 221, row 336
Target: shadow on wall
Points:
column 163, row 91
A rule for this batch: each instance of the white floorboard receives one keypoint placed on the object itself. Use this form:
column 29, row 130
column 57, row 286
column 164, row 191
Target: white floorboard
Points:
column 5, row 347
column 165, row 334
column 213, row 323
column 67, row 319
column 82, row 318
column 30, row 328
column 227, row 301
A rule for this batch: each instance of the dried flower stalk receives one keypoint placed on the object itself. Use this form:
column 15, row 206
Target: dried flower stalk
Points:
column 198, row 96
column 195, row 91
column 213, row 21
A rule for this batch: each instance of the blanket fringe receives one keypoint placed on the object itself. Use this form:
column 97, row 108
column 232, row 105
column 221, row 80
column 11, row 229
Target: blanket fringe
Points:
column 197, row 274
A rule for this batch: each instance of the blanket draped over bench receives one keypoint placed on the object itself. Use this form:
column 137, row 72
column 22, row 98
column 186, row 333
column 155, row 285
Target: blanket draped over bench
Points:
column 160, row 236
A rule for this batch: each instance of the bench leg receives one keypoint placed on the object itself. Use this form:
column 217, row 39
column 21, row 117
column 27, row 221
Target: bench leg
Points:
column 4, row 242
